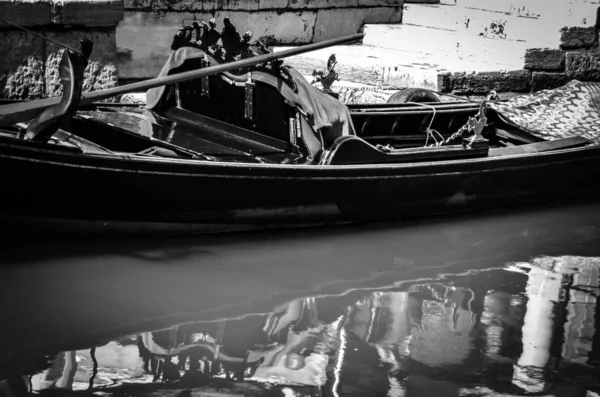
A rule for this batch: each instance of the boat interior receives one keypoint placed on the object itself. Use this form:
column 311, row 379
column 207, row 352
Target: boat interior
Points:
column 269, row 113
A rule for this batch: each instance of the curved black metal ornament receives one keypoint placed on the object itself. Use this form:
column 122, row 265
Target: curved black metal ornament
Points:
column 71, row 69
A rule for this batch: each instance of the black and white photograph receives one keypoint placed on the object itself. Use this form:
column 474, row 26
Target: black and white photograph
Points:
column 299, row 198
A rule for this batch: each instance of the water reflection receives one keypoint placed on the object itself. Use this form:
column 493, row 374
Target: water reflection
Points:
column 501, row 306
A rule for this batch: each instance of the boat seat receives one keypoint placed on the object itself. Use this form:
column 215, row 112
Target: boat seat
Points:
column 351, row 149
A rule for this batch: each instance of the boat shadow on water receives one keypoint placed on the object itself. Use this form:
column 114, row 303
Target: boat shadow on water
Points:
column 503, row 303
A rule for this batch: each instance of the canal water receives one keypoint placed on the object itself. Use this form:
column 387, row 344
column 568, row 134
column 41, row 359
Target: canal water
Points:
column 497, row 304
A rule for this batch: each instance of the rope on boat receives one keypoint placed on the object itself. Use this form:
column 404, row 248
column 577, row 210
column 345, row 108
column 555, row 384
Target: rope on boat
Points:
column 428, row 129
column 40, row 36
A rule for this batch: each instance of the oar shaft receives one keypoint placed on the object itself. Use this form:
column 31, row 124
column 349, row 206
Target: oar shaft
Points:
column 194, row 74
column 22, row 111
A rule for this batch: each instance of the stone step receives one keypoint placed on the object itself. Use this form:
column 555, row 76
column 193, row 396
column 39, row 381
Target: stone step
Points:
column 377, row 67
column 449, row 50
column 534, row 21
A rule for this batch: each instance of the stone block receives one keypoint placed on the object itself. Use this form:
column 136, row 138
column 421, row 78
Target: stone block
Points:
column 335, row 23
column 255, row 5
column 165, row 5
column 26, row 82
column 96, row 76
column 380, row 3
column 34, row 80
column 444, row 82
column 578, row 37
column 547, row 81
column 272, row 4
column 97, row 13
column 28, row 57
column 583, row 66
column 545, row 59
column 229, row 5
column 484, row 82
column 318, row 4
column 27, row 13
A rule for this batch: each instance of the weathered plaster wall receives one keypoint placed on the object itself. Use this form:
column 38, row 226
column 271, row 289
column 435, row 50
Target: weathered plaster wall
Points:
column 29, row 69
column 145, row 34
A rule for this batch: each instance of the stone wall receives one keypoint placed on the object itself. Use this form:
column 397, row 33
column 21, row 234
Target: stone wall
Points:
column 146, row 32
column 29, row 69
column 577, row 58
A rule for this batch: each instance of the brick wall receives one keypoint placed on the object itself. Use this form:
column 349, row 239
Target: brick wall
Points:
column 577, row 58
column 29, row 69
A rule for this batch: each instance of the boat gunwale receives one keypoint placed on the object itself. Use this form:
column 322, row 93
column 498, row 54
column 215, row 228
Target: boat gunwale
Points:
column 493, row 164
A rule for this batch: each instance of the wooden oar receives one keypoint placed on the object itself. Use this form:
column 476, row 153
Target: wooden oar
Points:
column 17, row 112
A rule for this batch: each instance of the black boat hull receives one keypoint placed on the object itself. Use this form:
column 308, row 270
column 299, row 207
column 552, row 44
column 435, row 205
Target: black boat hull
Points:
column 61, row 191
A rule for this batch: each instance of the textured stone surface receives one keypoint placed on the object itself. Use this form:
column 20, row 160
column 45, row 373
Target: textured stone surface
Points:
column 547, row 81
column 27, row 82
column 544, row 59
column 583, row 66
column 578, row 37
column 484, row 82
column 26, row 13
column 105, row 44
column 30, row 81
column 31, row 70
column 271, row 4
column 16, row 47
column 444, row 82
column 97, row 13
column 255, row 5
column 335, row 23
column 312, row 4
column 383, row 3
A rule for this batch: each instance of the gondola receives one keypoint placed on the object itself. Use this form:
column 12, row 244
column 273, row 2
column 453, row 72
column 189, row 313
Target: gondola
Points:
column 230, row 142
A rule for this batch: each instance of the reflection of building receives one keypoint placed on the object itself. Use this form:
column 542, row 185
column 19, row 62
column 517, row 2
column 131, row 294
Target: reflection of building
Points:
column 581, row 307
column 530, row 321
column 543, row 291
column 61, row 373
column 444, row 335
column 556, row 286
column 429, row 338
